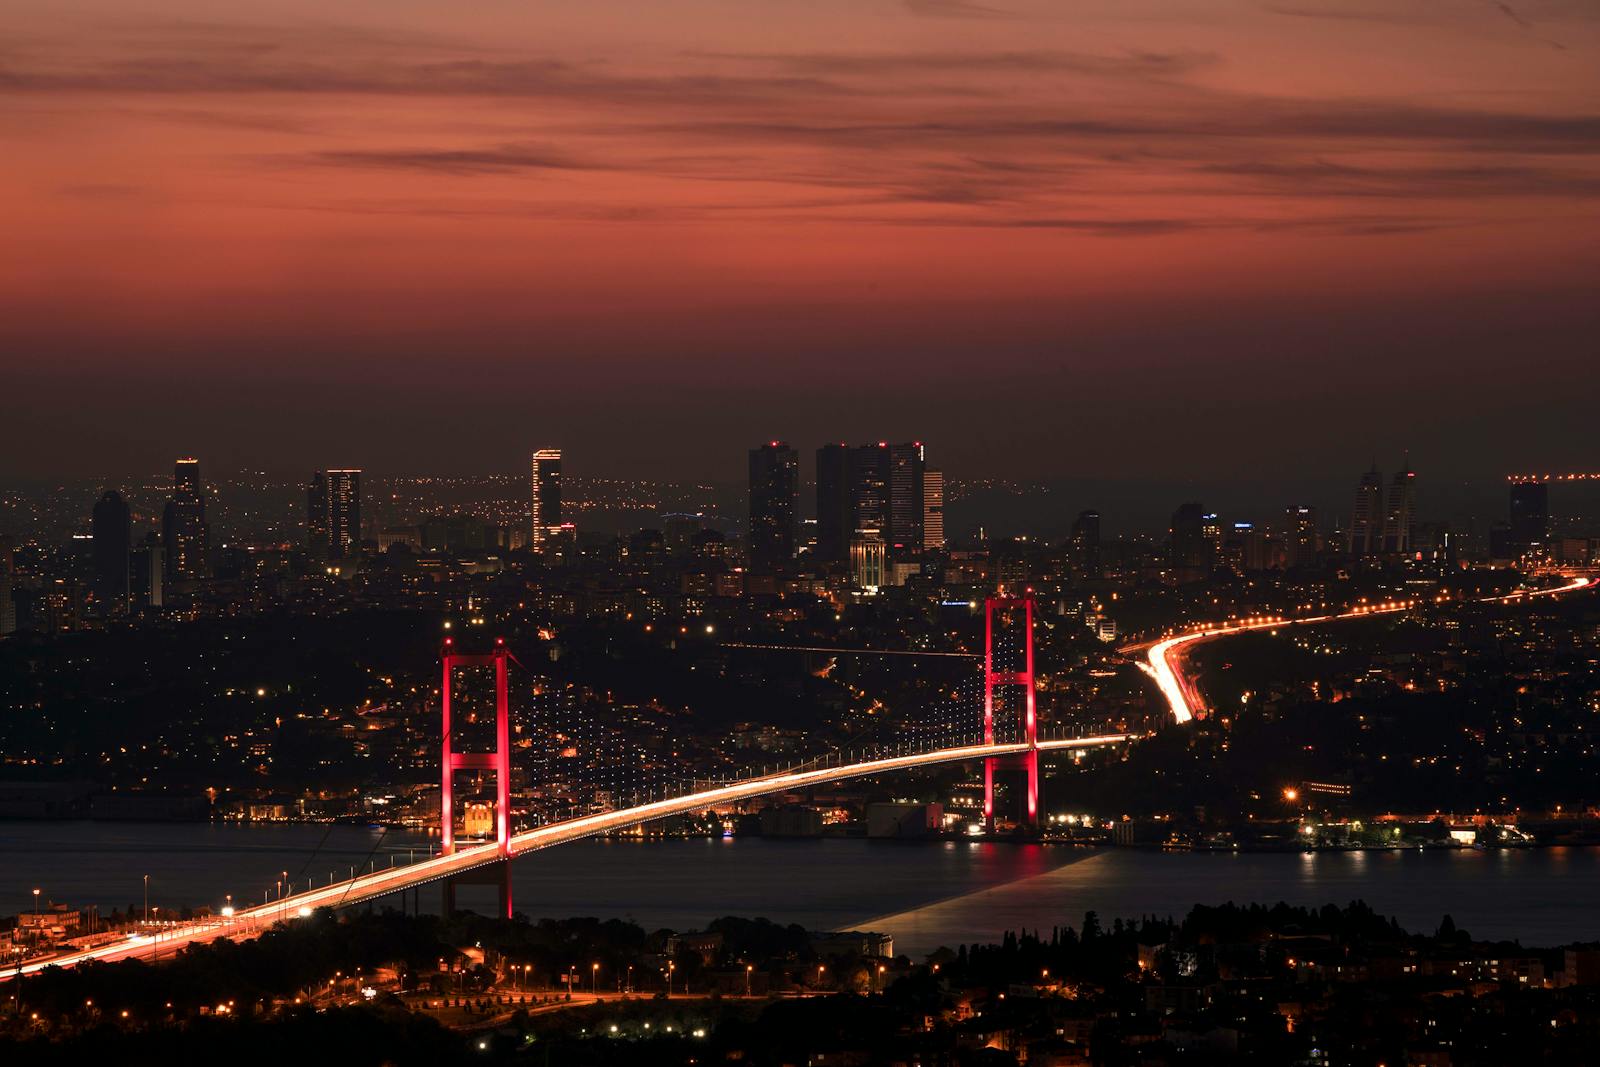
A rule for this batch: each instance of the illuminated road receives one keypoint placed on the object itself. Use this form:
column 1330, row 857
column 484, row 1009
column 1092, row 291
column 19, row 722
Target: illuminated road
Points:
column 1163, row 659
column 246, row 922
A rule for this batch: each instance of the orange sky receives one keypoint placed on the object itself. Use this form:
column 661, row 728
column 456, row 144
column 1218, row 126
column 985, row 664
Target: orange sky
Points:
column 834, row 219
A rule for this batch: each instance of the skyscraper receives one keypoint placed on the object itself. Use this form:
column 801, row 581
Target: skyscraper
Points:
column 544, row 496
column 1400, row 513
column 1084, row 546
column 113, row 534
column 907, row 476
column 932, row 510
column 834, row 503
column 1530, row 513
column 1189, row 545
column 1299, row 535
column 1366, row 521
column 870, row 476
column 774, row 485
column 333, row 513
column 185, row 536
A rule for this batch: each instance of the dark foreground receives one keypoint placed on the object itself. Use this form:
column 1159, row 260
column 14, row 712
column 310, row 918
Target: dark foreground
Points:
column 1229, row 984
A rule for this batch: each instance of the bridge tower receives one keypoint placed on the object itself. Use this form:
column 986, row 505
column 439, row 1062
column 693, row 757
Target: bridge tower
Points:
column 498, row 761
column 999, row 607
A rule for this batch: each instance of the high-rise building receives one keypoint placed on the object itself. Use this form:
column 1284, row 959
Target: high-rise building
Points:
column 1299, row 536
column 1530, row 514
column 185, row 535
column 1084, row 546
column 113, row 534
column 333, row 513
column 835, row 499
column 1366, row 522
column 1189, row 545
column 1400, row 513
column 907, row 484
column 544, row 497
column 869, row 562
column 932, row 510
column 146, row 567
column 870, row 475
column 774, row 486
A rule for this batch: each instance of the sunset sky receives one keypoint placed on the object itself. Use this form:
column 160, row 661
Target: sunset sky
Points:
column 1107, row 237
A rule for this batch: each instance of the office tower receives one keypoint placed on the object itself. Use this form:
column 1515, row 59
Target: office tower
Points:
column 113, row 532
column 544, row 497
column 835, row 498
column 774, row 486
column 146, row 567
column 1084, row 546
column 1189, row 546
column 870, row 472
column 333, row 513
column 1530, row 514
column 868, row 560
column 907, row 478
column 1299, row 536
column 1247, row 546
column 1211, row 533
column 1366, row 522
column 183, row 524
column 932, row 510
column 1400, row 514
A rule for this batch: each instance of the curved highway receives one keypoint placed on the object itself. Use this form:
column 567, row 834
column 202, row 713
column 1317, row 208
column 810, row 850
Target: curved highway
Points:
column 1164, row 658
column 248, row 921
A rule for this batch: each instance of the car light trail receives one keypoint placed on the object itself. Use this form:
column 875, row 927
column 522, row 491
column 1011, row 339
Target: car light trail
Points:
column 1183, row 700
column 247, row 921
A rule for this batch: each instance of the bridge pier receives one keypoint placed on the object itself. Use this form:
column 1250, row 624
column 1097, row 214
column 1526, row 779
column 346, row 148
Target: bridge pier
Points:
column 499, row 761
column 495, row 874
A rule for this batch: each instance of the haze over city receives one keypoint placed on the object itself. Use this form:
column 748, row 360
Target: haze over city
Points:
column 1111, row 240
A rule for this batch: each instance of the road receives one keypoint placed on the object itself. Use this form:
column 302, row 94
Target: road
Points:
column 1164, row 658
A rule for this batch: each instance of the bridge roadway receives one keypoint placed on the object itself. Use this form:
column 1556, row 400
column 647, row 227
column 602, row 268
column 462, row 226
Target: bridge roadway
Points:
column 1165, row 657
column 246, row 922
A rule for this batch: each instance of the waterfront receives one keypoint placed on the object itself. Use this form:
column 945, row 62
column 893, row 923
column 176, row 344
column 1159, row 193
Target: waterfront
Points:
column 924, row 894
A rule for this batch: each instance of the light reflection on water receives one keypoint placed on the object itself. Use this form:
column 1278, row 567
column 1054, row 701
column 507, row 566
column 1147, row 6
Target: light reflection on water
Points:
column 925, row 894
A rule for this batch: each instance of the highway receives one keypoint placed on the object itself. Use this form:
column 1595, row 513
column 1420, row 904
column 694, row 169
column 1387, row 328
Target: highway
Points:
column 246, row 922
column 1164, row 658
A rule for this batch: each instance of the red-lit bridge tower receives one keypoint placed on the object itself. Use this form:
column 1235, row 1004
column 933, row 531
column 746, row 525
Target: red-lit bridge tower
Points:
column 1002, row 606
column 498, row 761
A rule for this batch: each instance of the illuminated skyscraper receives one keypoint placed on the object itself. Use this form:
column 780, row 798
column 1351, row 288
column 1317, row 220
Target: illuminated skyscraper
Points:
column 185, row 535
column 544, row 496
column 932, row 510
column 774, row 487
column 113, row 534
column 1299, row 536
column 870, row 474
column 907, row 474
column 1400, row 514
column 333, row 513
column 1366, row 522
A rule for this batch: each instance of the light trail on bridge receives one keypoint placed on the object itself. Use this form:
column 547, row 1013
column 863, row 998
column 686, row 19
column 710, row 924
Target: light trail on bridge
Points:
column 1183, row 699
column 247, row 922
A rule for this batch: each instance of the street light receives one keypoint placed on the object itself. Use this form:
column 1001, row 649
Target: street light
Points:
column 748, row 968
column 594, row 980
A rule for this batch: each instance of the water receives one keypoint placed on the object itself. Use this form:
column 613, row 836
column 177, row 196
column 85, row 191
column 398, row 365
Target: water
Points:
column 924, row 894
